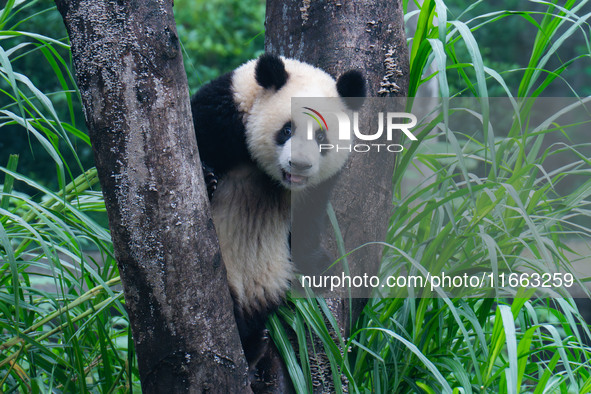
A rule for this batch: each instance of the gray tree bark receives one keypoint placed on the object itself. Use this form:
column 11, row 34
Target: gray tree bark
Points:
column 339, row 35
column 136, row 101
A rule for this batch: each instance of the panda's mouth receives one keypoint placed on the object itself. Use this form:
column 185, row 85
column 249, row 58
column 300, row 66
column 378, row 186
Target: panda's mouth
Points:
column 294, row 179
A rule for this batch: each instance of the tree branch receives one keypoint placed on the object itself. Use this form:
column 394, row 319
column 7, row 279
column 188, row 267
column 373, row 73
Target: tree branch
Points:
column 337, row 36
column 134, row 91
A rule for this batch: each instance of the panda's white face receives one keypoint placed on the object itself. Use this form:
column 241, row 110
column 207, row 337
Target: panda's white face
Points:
column 282, row 149
column 300, row 160
column 277, row 143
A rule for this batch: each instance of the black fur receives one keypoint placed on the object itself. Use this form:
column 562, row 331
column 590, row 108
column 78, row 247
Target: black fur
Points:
column 284, row 134
column 253, row 334
column 270, row 72
column 219, row 129
column 349, row 85
column 211, row 180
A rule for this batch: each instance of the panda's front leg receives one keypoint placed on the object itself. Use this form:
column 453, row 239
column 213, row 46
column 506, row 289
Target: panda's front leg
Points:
column 211, row 179
column 253, row 335
column 255, row 347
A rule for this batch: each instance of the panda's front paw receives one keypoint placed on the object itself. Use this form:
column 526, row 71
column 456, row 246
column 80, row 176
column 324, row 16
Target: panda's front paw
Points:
column 265, row 338
column 255, row 355
column 211, row 180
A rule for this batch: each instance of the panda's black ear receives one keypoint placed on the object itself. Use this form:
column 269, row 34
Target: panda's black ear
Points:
column 270, row 72
column 351, row 85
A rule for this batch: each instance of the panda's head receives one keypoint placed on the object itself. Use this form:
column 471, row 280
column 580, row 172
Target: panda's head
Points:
column 263, row 89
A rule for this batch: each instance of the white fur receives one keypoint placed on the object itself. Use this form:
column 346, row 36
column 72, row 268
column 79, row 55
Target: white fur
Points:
column 285, row 155
column 266, row 111
column 253, row 232
column 254, row 243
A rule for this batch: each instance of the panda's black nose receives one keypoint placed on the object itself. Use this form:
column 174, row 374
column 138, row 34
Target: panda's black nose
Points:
column 299, row 166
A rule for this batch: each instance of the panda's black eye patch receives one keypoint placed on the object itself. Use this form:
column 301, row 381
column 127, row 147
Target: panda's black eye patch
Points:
column 320, row 136
column 284, row 134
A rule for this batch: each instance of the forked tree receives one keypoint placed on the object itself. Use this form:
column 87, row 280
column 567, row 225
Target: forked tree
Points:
column 133, row 85
column 337, row 36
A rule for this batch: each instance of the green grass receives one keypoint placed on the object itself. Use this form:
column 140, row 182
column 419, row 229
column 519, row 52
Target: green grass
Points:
column 62, row 323
column 487, row 200
column 490, row 199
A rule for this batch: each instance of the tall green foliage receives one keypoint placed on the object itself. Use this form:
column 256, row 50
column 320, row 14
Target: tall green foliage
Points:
column 486, row 199
column 33, row 41
column 62, row 323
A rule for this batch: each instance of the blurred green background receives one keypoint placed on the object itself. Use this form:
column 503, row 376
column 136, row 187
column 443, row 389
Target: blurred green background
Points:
column 55, row 245
column 216, row 36
column 219, row 35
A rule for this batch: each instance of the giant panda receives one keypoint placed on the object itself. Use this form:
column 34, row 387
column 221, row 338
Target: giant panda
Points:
column 246, row 140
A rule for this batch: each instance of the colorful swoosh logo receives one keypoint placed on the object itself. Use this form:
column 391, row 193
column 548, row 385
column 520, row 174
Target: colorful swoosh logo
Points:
column 316, row 117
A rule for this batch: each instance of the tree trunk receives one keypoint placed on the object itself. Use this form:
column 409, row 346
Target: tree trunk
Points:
column 337, row 36
column 134, row 91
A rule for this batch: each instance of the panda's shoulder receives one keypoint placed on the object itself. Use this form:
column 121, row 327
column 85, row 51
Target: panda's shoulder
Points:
column 219, row 125
column 214, row 94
